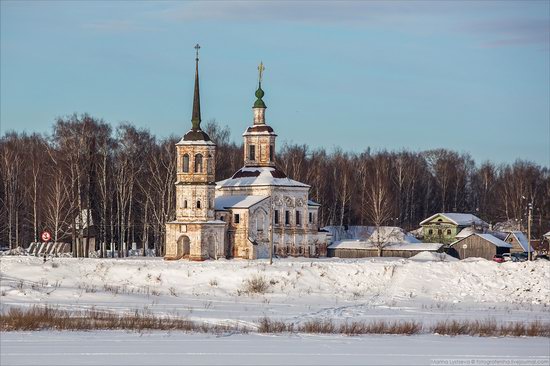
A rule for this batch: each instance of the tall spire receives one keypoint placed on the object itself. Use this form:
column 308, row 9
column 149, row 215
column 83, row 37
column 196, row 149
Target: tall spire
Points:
column 196, row 118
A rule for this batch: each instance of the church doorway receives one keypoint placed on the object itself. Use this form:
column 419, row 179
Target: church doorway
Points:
column 212, row 247
column 183, row 246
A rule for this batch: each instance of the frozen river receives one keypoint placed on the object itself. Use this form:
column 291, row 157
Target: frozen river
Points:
column 122, row 348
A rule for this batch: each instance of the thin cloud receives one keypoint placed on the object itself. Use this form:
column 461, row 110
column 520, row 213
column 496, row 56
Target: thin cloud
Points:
column 511, row 32
column 116, row 26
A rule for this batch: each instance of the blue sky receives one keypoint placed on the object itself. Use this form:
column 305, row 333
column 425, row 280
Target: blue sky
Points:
column 470, row 76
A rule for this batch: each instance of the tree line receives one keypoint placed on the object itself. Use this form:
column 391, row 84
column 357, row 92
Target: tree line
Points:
column 123, row 178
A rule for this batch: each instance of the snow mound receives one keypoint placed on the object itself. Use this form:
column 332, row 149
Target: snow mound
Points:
column 15, row 251
column 433, row 257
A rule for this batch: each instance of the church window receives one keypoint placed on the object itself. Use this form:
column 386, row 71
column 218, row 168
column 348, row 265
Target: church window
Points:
column 260, row 222
column 311, row 217
column 276, row 212
column 251, row 152
column 186, row 163
column 287, row 217
column 198, row 204
column 448, row 231
column 185, row 204
column 271, row 152
column 430, row 232
column 439, row 232
column 298, row 218
column 237, row 218
column 209, row 164
column 198, row 163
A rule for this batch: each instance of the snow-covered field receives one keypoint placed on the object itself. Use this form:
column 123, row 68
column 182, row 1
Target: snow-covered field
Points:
column 298, row 290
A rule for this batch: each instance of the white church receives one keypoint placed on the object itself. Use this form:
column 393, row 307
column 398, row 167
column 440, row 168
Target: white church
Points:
column 256, row 210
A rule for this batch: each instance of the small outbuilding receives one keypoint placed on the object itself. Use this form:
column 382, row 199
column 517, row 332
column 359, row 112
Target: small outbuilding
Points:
column 364, row 249
column 519, row 242
column 479, row 245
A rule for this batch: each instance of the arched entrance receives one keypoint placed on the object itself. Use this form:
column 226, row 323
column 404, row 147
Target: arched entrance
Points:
column 212, row 247
column 183, row 247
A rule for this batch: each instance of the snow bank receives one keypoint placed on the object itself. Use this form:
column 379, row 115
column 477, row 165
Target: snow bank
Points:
column 298, row 289
column 433, row 257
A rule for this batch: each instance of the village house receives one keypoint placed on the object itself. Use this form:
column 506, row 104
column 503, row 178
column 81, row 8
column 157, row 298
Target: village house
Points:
column 519, row 242
column 480, row 246
column 445, row 227
column 242, row 216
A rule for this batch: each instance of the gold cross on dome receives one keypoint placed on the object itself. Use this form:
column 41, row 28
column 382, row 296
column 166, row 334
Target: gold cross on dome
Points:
column 197, row 47
column 261, row 69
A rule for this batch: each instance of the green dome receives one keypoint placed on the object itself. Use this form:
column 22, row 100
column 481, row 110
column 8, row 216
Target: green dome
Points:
column 259, row 93
column 259, row 103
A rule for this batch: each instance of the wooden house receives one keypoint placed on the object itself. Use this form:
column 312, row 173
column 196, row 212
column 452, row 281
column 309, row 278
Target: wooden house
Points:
column 444, row 227
column 518, row 240
column 479, row 245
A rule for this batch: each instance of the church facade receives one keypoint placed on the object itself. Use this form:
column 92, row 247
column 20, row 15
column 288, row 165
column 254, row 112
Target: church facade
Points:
column 244, row 216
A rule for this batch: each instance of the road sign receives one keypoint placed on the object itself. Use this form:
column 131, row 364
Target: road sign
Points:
column 46, row 236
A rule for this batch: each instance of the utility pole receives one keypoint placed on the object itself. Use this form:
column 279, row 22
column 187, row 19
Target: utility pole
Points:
column 529, row 218
column 271, row 229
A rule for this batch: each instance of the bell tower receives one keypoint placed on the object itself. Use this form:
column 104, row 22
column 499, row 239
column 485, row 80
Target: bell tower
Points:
column 259, row 139
column 195, row 172
column 195, row 234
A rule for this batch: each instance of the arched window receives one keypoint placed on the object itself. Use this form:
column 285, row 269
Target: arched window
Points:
column 271, row 152
column 251, row 152
column 448, row 231
column 198, row 163
column 198, row 204
column 185, row 204
column 186, row 163
column 209, row 164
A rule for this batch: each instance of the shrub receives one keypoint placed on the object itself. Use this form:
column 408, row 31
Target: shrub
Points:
column 256, row 285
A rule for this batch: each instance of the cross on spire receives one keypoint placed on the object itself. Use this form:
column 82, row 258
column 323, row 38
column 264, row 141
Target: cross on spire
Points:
column 197, row 48
column 261, row 69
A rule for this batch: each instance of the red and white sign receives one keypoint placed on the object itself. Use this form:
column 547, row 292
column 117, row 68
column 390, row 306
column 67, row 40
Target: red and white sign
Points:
column 45, row 236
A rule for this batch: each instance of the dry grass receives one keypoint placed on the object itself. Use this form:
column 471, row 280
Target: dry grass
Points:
column 255, row 285
column 266, row 325
column 490, row 328
column 42, row 318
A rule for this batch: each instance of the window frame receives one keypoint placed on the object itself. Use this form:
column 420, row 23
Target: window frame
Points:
column 198, row 163
column 252, row 152
column 185, row 163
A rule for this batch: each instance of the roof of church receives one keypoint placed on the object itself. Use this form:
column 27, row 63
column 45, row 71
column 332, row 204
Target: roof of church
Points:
column 259, row 176
column 224, row 202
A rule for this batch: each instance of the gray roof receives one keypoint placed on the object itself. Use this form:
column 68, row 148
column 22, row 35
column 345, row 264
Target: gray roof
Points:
column 522, row 239
column 259, row 176
column 460, row 219
column 490, row 238
column 361, row 244
column 223, row 203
